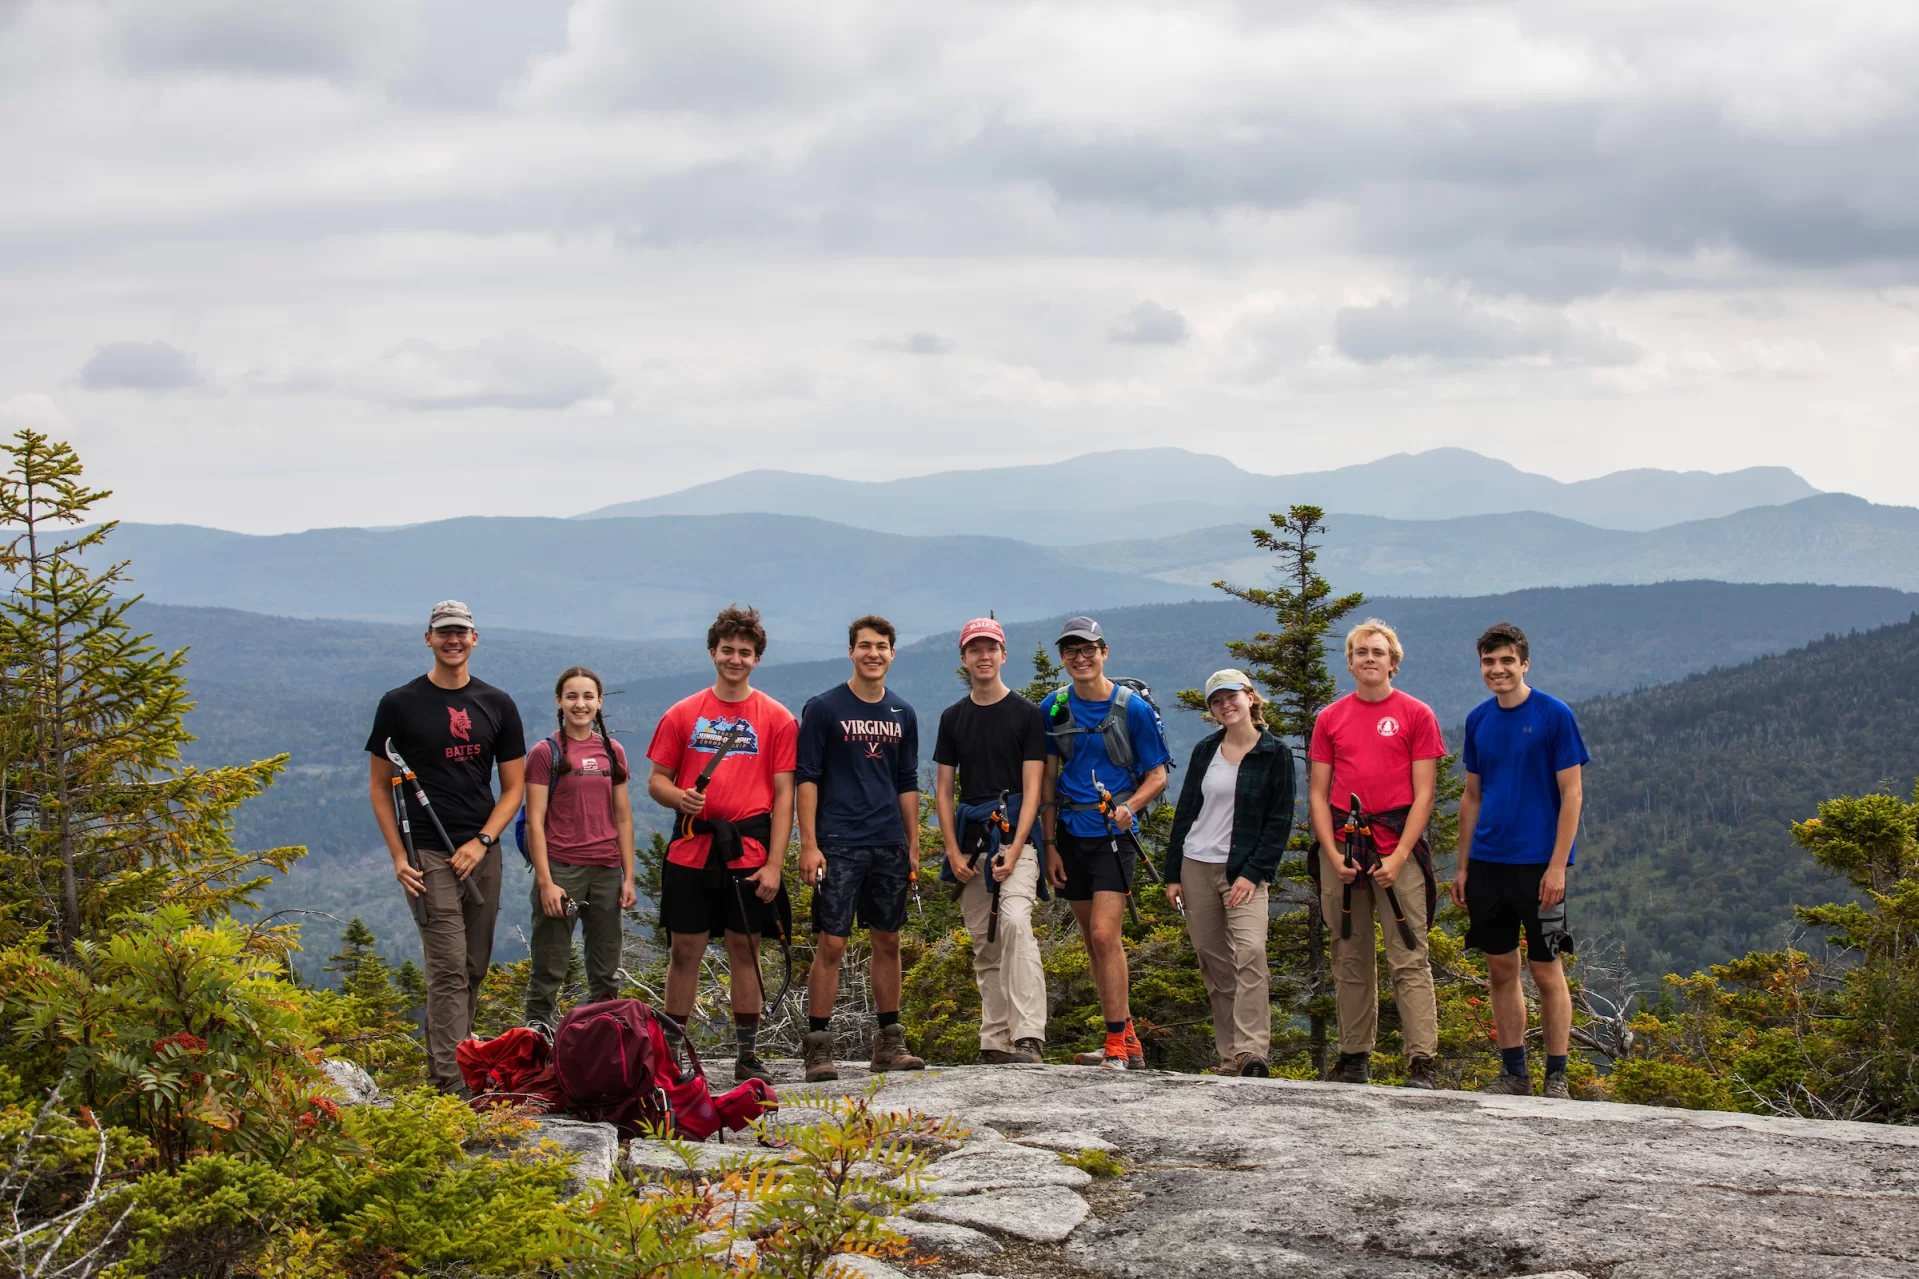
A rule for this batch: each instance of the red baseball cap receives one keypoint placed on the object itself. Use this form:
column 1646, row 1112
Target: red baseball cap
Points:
column 982, row 626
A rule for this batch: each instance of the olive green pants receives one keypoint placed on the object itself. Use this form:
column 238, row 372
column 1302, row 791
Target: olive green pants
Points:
column 597, row 890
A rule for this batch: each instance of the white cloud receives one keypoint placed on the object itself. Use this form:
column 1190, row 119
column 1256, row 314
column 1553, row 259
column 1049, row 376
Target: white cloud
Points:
column 139, row 366
column 1150, row 324
column 1618, row 217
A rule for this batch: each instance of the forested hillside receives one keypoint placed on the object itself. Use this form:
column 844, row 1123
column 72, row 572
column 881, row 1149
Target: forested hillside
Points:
column 1686, row 855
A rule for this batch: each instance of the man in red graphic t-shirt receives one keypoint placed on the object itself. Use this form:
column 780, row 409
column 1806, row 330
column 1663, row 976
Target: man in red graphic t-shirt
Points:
column 1383, row 746
column 723, row 867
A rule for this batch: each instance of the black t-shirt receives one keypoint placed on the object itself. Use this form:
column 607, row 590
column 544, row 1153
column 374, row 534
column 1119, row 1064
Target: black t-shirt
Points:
column 988, row 744
column 451, row 737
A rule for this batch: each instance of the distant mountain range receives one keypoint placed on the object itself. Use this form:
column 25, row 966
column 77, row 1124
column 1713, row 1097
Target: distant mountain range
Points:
column 1157, row 492
column 663, row 577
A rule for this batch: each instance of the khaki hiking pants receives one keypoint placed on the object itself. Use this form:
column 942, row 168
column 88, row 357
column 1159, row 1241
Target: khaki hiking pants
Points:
column 1012, row 985
column 1355, row 962
column 457, row 942
column 1231, row 944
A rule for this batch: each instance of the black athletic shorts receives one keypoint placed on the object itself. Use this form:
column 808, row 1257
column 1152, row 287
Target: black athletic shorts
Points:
column 1502, row 898
column 689, row 905
column 1092, row 868
column 869, row 883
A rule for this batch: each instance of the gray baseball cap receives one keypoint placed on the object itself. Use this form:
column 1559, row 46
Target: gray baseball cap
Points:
column 450, row 613
column 1084, row 628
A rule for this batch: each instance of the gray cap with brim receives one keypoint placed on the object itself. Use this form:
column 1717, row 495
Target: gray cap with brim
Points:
column 449, row 613
column 1084, row 628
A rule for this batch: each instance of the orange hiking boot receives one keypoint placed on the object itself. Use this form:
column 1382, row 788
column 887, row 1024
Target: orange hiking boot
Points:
column 1135, row 1051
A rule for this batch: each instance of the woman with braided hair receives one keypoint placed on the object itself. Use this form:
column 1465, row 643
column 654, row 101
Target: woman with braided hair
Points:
column 579, row 837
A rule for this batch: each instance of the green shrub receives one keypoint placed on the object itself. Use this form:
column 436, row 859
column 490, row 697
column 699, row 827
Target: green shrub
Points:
column 1100, row 1163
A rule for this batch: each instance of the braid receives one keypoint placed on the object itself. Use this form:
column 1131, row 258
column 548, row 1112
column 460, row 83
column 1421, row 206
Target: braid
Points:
column 559, row 764
column 613, row 756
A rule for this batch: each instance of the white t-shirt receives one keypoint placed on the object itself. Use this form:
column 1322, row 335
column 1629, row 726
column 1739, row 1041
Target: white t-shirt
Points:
column 1211, row 837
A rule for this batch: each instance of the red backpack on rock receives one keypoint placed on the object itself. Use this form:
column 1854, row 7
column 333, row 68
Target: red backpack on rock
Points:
column 513, row 1067
column 614, row 1063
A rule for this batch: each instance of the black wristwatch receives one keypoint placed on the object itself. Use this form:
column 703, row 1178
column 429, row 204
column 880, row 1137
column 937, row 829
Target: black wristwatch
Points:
column 486, row 840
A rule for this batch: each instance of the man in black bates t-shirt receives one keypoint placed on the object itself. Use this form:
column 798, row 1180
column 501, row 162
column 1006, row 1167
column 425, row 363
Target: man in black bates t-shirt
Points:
column 995, row 741
column 453, row 731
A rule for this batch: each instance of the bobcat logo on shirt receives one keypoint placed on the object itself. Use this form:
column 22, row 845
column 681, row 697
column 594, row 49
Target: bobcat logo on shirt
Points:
column 459, row 723
column 1388, row 726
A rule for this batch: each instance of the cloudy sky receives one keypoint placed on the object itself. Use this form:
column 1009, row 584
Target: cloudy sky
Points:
column 274, row 264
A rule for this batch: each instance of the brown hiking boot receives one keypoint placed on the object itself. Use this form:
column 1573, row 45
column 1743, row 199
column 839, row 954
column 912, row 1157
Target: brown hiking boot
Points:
column 1510, row 1085
column 1556, row 1086
column 1253, row 1067
column 1352, row 1068
column 1023, row 1053
column 1031, row 1051
column 889, row 1051
column 1419, row 1073
column 818, row 1047
column 751, row 1067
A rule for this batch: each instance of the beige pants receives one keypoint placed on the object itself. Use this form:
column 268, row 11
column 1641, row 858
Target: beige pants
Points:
column 1231, row 944
column 457, row 943
column 1012, row 985
column 1355, row 962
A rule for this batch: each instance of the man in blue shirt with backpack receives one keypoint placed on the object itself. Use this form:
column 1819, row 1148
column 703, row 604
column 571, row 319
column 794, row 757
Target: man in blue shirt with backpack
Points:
column 1518, row 822
column 1106, row 761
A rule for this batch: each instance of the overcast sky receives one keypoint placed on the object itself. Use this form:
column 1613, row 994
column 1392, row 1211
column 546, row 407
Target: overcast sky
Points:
column 274, row 264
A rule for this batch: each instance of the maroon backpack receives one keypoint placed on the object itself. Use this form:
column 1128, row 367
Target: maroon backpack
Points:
column 615, row 1063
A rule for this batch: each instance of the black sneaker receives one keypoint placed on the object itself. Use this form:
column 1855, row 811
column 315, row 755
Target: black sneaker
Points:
column 1420, row 1073
column 1352, row 1068
column 751, row 1067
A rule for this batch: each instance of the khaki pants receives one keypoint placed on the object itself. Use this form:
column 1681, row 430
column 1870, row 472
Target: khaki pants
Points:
column 457, row 941
column 597, row 890
column 1012, row 985
column 1355, row 962
column 1231, row 944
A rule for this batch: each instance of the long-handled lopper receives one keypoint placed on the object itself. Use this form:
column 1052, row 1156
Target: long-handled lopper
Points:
column 469, row 887
column 417, row 901
column 1357, row 836
column 1112, row 842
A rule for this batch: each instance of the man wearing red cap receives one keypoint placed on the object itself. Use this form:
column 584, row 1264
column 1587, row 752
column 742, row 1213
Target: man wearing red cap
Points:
column 993, row 743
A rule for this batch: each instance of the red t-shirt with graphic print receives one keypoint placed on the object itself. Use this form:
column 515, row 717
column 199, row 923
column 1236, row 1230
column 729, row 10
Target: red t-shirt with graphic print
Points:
column 1372, row 746
column 580, row 829
column 742, row 786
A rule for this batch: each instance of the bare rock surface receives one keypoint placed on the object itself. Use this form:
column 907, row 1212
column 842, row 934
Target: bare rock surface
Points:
column 940, row 1237
column 595, row 1148
column 998, row 1166
column 356, row 1087
column 1043, row 1214
column 1268, row 1177
column 1068, row 1141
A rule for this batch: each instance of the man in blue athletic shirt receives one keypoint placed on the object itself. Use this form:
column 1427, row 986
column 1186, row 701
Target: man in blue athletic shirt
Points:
column 859, row 817
column 1518, row 820
column 1090, row 856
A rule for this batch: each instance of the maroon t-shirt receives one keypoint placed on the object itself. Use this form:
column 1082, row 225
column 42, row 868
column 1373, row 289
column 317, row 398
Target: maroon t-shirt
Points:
column 579, row 810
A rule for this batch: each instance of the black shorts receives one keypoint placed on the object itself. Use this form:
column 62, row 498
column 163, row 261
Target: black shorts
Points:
column 870, row 883
column 1092, row 868
column 1502, row 898
column 689, row 904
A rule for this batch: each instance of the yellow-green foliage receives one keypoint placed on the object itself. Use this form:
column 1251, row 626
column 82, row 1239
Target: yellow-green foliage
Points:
column 1100, row 1163
column 179, row 1030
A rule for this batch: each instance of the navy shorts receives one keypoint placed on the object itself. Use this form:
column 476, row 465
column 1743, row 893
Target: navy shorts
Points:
column 1092, row 868
column 869, row 882
column 1501, row 899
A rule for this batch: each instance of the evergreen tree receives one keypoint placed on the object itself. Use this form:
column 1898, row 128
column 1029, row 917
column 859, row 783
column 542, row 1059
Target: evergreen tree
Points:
column 98, row 816
column 1047, row 676
column 1290, row 665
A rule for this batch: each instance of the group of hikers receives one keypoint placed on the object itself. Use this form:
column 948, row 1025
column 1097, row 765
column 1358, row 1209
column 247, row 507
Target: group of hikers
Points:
column 1029, row 799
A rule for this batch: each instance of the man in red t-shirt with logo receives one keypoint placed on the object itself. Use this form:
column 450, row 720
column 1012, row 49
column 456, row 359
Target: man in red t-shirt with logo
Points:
column 1383, row 746
column 723, row 868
